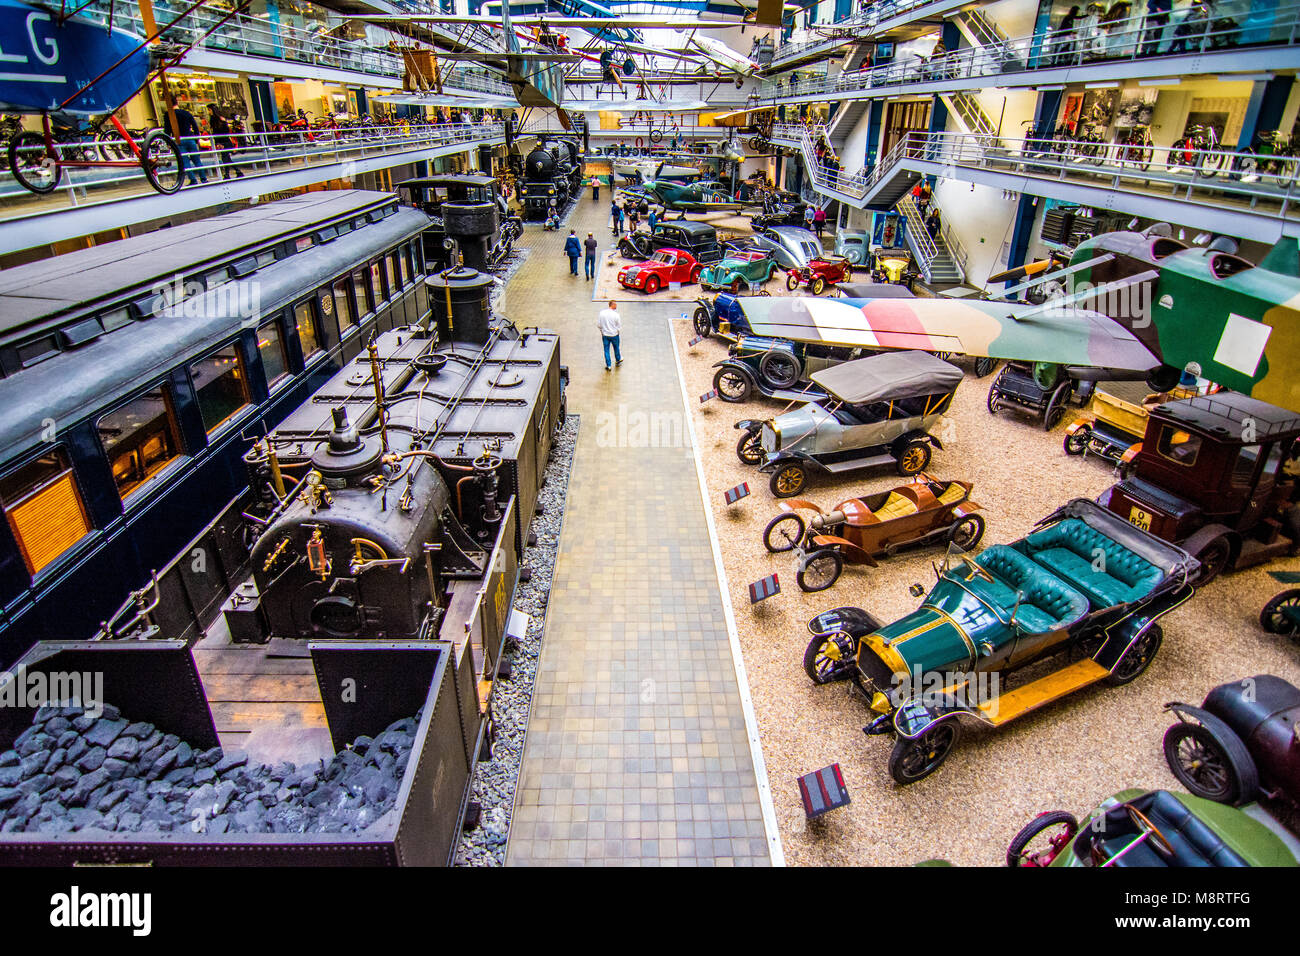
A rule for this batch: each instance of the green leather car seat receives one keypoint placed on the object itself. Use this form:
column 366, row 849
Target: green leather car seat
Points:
column 1049, row 603
column 1193, row 842
column 1071, row 549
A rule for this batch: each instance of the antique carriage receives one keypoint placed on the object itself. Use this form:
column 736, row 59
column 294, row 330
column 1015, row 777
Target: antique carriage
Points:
column 861, row 530
column 1042, row 389
column 1085, row 588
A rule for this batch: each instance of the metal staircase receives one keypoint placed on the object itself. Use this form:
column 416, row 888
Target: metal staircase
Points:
column 881, row 188
column 937, row 264
column 980, row 31
column 970, row 115
column 846, row 120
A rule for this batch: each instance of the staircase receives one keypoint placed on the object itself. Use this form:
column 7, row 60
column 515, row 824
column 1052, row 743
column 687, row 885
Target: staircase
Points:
column 933, row 258
column 845, row 120
column 970, row 115
column 881, row 188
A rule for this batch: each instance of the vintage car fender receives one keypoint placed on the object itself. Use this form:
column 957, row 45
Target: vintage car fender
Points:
column 747, row 424
column 1083, row 421
column 829, row 540
column 1238, row 754
column 912, row 718
column 967, row 507
column 788, row 456
column 853, row 621
column 1203, row 536
column 798, row 504
column 922, row 435
column 743, row 369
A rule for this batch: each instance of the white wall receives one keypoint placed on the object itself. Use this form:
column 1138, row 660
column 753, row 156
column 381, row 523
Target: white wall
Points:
column 982, row 220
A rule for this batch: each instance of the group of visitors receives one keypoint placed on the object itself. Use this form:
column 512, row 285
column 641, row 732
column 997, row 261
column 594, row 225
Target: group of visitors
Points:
column 573, row 247
column 225, row 140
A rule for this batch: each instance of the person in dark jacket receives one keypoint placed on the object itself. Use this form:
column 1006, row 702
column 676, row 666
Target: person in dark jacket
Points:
column 590, row 245
column 188, row 129
column 573, row 249
column 224, row 142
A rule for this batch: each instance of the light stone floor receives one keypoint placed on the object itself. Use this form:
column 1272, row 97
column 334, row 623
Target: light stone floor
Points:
column 637, row 750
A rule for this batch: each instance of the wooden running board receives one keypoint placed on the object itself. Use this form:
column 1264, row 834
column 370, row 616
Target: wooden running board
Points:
column 1016, row 703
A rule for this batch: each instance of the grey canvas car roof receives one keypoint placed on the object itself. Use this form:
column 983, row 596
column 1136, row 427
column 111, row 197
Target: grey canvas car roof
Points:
column 889, row 375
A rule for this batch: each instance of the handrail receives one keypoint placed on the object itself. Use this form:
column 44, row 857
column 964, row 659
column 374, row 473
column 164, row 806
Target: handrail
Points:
column 256, row 154
column 923, row 243
column 859, row 26
column 1130, row 39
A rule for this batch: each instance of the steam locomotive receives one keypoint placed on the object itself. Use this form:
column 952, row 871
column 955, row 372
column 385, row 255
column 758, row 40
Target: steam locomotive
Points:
column 551, row 173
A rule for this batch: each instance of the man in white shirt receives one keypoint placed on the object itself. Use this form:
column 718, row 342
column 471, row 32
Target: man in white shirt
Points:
column 610, row 326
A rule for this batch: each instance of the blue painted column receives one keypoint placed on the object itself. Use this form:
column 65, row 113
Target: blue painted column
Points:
column 874, row 120
column 1020, row 230
column 363, row 108
column 1264, row 112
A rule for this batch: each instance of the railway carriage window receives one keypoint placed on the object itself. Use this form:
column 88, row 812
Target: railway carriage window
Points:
column 390, row 265
column 376, row 284
column 364, row 302
column 404, row 262
column 115, row 319
column 1178, row 446
column 274, row 362
column 308, row 334
column 140, row 439
column 43, row 506
column 37, row 351
column 221, row 386
column 343, row 306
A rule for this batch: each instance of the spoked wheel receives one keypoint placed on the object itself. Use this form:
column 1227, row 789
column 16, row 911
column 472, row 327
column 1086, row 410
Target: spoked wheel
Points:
column 792, row 281
column 1214, row 557
column 1077, row 443
column 820, row 570
column 914, row 458
column 748, row 449
column 992, row 401
column 1057, row 829
column 788, row 480
column 984, row 365
column 700, row 320
column 34, row 166
column 162, row 162
column 818, row 285
column 1055, row 410
column 1137, row 658
column 731, row 386
column 1281, row 615
column 913, row 760
column 967, row 532
column 1202, row 763
column 780, row 368
column 829, row 658
column 784, row 532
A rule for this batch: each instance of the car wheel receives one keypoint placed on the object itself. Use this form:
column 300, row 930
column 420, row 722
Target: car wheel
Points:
column 829, row 658
column 1214, row 557
column 731, row 386
column 1018, row 852
column 914, row 457
column 703, row 326
column 820, row 570
column 784, row 532
column 1275, row 617
column 818, row 285
column 788, row 480
column 992, row 402
column 780, row 368
column 734, row 288
column 627, row 250
column 848, row 272
column 984, row 365
column 748, row 450
column 1137, row 658
column 967, row 532
column 1207, row 766
column 1077, row 443
column 792, row 281
column 913, row 760
column 695, row 274
column 652, row 285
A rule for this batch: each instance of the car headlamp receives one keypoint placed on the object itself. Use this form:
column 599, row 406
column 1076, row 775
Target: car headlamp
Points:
column 880, row 703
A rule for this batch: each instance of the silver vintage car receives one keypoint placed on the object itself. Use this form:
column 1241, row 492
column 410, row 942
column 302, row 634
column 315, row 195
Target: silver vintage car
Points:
column 878, row 411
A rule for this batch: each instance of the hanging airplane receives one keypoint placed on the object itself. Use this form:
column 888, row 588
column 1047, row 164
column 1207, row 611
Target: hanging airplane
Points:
column 699, row 196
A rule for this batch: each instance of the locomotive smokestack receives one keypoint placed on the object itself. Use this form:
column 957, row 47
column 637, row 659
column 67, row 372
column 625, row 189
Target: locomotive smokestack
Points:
column 344, row 437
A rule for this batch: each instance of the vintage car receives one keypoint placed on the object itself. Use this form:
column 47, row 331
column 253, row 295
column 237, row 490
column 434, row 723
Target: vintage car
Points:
column 1149, row 829
column 1085, row 587
column 655, row 273
column 793, row 246
column 786, row 210
column 721, row 316
column 1112, row 429
column 820, row 272
column 739, row 269
column 1213, row 475
column 877, row 411
column 860, row 530
column 853, row 245
column 1040, row 388
column 776, row 368
column 894, row 266
column 1241, row 743
column 698, row 238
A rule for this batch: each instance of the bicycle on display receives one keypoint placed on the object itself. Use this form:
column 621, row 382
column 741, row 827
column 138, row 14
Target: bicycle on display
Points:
column 38, row 159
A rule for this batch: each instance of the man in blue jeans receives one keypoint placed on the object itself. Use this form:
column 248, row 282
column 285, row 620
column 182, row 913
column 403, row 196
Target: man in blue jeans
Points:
column 572, row 249
column 610, row 326
column 188, row 128
column 589, row 261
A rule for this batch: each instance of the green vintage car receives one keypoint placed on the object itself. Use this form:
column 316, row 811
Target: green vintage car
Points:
column 1138, row 828
column 747, row 268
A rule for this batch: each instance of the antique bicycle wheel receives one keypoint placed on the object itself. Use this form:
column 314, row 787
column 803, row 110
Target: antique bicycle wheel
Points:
column 161, row 160
column 33, row 164
column 784, row 532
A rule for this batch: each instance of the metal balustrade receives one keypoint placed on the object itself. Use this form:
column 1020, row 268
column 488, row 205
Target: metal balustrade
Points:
column 1232, row 27
column 860, row 25
column 256, row 154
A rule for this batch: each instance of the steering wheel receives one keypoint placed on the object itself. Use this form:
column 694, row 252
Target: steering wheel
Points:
column 976, row 569
column 1140, row 818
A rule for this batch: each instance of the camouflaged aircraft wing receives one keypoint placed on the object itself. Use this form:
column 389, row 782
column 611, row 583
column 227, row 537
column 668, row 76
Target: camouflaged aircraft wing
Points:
column 979, row 328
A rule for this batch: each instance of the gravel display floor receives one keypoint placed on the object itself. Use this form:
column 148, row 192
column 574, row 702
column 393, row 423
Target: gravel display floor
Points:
column 494, row 780
column 1069, row 755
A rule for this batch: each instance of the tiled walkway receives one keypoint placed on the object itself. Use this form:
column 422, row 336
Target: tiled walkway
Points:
column 637, row 749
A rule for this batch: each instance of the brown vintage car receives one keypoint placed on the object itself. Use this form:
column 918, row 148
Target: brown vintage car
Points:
column 860, row 530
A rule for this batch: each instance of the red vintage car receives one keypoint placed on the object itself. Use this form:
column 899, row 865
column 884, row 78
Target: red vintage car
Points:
column 819, row 273
column 665, row 266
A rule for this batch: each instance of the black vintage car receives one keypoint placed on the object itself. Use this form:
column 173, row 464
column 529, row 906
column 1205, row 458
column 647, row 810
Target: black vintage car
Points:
column 1241, row 743
column 776, row 368
column 1038, row 388
column 698, row 238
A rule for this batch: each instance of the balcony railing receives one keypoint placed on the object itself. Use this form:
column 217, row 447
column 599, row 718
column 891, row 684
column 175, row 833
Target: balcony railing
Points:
column 859, row 26
column 255, row 154
column 1233, row 26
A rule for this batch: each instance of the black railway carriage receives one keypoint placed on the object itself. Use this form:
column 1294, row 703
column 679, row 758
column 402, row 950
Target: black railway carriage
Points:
column 136, row 375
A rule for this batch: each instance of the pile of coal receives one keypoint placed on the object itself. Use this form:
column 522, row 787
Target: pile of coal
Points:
column 74, row 772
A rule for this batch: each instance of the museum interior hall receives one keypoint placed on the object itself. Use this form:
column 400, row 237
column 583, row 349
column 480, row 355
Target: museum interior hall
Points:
column 696, row 433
